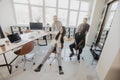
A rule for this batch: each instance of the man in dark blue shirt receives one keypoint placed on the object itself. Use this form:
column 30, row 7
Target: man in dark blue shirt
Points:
column 80, row 38
column 78, row 44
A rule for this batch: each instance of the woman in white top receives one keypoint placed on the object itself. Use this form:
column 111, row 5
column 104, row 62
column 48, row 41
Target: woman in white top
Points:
column 55, row 46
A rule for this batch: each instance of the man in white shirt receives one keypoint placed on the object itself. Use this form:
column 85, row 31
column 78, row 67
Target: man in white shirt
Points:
column 56, row 26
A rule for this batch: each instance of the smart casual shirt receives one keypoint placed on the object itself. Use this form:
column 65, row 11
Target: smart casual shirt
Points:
column 80, row 37
column 56, row 26
column 85, row 27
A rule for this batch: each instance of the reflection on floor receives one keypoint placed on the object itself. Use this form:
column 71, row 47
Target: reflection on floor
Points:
column 72, row 69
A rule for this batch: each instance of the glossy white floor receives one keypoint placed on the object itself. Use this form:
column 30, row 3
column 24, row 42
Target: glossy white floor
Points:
column 72, row 69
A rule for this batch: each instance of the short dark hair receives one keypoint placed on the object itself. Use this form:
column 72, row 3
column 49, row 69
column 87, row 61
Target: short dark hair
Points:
column 85, row 18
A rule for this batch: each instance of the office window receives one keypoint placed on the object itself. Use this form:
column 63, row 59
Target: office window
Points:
column 81, row 16
column 36, row 2
column 22, row 14
column 114, row 6
column 62, row 16
column 20, row 1
column 111, row 14
column 51, row 3
column 34, row 10
column 63, row 3
column 37, row 14
column 84, row 6
column 50, row 12
column 74, row 4
column 73, row 18
column 109, row 20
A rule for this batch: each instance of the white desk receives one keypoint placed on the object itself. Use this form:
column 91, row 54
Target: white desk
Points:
column 27, row 37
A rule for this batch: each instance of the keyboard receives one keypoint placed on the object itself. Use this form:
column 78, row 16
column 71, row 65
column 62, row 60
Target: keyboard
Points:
column 31, row 37
column 17, row 41
column 22, row 41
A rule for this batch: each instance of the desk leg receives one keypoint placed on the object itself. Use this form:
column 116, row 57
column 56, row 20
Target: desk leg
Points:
column 8, row 65
column 13, row 60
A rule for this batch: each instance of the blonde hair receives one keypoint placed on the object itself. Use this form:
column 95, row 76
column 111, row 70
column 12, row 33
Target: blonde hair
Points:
column 55, row 16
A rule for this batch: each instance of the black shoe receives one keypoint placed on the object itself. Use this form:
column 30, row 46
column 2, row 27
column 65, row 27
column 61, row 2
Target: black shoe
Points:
column 71, row 54
column 38, row 68
column 78, row 57
column 60, row 70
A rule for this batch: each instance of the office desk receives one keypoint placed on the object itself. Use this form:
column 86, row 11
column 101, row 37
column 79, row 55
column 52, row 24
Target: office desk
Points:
column 27, row 37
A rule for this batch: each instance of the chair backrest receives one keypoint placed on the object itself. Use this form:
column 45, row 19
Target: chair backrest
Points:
column 27, row 48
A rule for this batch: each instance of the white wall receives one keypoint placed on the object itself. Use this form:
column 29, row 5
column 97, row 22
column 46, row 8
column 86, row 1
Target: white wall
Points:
column 114, row 72
column 111, row 48
column 95, row 19
column 6, row 15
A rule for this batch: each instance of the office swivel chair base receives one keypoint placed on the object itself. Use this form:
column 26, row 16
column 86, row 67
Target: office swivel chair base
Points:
column 52, row 61
column 76, row 54
column 24, row 60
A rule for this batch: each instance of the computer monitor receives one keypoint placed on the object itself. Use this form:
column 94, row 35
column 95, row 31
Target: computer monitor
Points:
column 1, row 33
column 36, row 26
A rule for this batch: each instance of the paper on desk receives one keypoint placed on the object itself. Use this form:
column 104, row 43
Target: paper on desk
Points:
column 53, row 32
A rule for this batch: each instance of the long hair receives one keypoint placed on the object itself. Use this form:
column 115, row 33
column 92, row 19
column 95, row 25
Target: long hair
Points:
column 62, row 36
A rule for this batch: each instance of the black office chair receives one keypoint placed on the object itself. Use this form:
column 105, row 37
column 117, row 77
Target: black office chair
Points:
column 27, row 48
column 81, row 46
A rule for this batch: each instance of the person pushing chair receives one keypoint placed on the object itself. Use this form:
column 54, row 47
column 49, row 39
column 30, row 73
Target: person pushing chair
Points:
column 57, row 43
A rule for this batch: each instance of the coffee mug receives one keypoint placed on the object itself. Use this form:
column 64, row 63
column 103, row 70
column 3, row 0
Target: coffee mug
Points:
column 2, row 46
column 7, row 42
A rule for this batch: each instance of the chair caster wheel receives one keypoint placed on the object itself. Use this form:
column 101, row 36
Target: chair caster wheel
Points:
column 33, row 63
column 16, row 66
column 50, row 64
column 22, row 59
column 82, row 58
column 24, row 69
column 70, row 59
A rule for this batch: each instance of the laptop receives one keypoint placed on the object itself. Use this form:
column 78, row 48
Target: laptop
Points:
column 14, row 38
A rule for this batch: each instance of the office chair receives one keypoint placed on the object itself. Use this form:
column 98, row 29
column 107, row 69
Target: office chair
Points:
column 55, row 53
column 26, row 48
column 76, row 54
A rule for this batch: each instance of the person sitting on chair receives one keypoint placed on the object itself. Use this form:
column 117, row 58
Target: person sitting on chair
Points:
column 57, row 43
column 79, row 43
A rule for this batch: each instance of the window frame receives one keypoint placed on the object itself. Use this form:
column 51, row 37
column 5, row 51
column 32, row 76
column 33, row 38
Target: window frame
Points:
column 44, row 13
